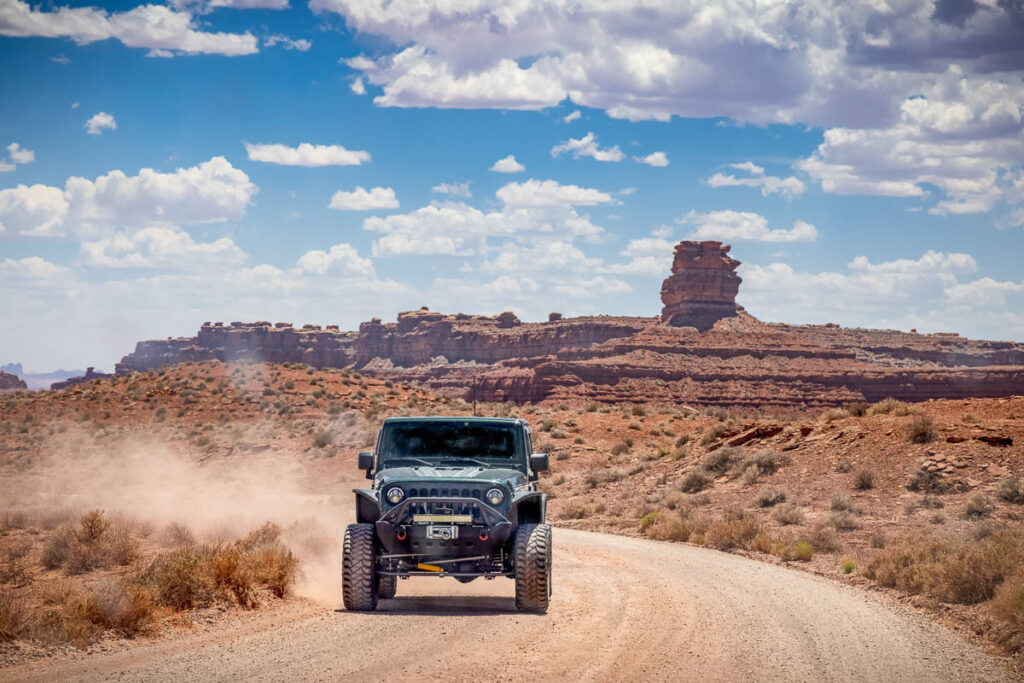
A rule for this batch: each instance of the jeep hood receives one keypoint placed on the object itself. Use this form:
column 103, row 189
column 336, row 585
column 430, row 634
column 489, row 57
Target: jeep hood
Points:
column 511, row 478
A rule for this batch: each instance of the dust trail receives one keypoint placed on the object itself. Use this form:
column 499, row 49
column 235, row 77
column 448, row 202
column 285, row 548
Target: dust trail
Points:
column 151, row 480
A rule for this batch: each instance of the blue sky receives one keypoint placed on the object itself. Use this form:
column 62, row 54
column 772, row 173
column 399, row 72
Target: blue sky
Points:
column 170, row 164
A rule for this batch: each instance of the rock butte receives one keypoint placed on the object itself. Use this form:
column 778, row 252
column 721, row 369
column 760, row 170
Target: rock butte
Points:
column 9, row 381
column 705, row 349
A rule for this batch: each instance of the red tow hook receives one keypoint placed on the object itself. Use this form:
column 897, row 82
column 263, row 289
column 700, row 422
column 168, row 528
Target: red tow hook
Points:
column 400, row 533
column 484, row 536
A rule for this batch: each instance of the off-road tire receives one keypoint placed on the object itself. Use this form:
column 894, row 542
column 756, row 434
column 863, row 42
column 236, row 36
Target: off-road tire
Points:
column 532, row 555
column 387, row 586
column 358, row 568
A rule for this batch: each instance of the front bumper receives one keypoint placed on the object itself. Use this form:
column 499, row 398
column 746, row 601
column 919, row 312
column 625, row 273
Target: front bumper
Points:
column 400, row 534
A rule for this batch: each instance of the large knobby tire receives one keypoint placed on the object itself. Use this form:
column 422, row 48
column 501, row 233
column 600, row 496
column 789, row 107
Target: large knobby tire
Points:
column 387, row 586
column 358, row 568
column 533, row 567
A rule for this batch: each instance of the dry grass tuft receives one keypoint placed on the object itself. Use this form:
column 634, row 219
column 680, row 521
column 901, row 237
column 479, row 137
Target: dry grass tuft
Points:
column 735, row 529
column 922, row 428
column 1011, row 490
column 965, row 571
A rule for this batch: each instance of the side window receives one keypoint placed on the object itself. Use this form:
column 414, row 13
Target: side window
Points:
column 529, row 442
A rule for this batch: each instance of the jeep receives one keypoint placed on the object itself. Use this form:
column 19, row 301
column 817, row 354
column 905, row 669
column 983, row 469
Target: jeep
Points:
column 451, row 496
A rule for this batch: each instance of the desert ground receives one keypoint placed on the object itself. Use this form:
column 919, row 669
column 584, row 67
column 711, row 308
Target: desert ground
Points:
column 185, row 522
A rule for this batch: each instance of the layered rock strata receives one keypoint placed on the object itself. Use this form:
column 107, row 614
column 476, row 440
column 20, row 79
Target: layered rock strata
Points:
column 702, row 287
column 705, row 350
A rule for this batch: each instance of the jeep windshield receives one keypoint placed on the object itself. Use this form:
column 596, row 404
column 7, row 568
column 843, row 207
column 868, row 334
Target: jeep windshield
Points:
column 455, row 442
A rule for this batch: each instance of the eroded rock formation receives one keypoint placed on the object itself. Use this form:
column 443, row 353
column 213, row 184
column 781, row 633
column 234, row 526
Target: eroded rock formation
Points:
column 90, row 374
column 711, row 352
column 702, row 287
column 9, row 381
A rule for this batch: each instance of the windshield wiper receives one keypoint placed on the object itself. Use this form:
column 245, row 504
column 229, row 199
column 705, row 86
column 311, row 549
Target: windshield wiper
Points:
column 407, row 458
column 470, row 460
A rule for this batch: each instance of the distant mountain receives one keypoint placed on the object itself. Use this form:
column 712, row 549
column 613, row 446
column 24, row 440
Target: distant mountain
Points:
column 40, row 380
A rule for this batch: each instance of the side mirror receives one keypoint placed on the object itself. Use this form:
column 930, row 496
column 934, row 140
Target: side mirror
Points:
column 366, row 461
column 539, row 462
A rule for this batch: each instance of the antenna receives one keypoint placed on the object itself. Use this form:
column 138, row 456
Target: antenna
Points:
column 474, row 395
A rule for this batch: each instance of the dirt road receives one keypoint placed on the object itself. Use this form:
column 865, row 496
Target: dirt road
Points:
column 623, row 608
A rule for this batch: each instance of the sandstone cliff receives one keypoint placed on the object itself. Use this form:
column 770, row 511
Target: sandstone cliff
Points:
column 9, row 381
column 706, row 350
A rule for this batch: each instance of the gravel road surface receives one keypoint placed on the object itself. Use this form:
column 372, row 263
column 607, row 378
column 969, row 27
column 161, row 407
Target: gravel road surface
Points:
column 622, row 609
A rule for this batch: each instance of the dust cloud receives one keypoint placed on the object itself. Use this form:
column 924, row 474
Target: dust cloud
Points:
column 157, row 481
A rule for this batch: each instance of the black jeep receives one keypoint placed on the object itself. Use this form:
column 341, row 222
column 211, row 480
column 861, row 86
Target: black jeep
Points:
column 451, row 496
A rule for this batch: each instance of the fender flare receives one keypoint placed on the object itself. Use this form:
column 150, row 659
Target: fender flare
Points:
column 528, row 507
column 367, row 506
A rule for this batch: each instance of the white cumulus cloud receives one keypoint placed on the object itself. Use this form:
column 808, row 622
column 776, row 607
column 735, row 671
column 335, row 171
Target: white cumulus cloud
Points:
column 209, row 192
column 654, row 159
column 341, row 259
column 744, row 225
column 154, row 27
column 789, row 187
column 508, row 165
column 306, row 154
column 453, row 189
column 100, row 122
column 361, row 199
column 300, row 44
column 160, row 247
column 587, row 147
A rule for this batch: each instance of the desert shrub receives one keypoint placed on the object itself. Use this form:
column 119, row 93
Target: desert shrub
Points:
column 694, row 481
column 125, row 608
column 546, row 425
column 843, row 520
column 889, row 406
column 177, row 534
column 620, row 448
column 760, row 464
column 823, row 539
column 14, row 617
column 951, row 570
column 857, row 408
column 864, row 480
column 722, row 460
column 848, row 567
column 878, row 540
column 682, row 440
column 1011, row 490
column 928, row 482
column 735, row 529
column 835, row 414
column 14, row 564
column 575, row 510
column 770, row 497
column 1007, row 604
column 663, row 525
column 798, row 551
column 979, row 505
column 841, row 503
column 323, row 439
column 788, row 514
column 922, row 428
column 713, row 434
column 597, row 477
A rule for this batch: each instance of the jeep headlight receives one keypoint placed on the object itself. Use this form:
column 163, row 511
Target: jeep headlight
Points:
column 495, row 496
column 395, row 495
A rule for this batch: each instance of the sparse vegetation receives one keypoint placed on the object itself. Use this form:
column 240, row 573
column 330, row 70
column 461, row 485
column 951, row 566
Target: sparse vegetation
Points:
column 770, row 497
column 864, row 480
column 1011, row 490
column 922, row 428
